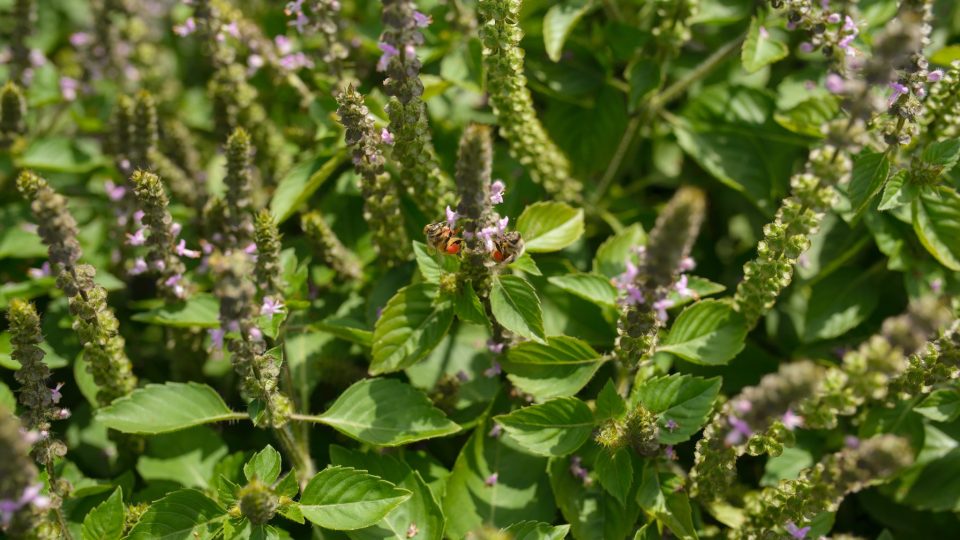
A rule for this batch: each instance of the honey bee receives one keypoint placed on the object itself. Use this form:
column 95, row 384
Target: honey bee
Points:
column 442, row 238
column 507, row 247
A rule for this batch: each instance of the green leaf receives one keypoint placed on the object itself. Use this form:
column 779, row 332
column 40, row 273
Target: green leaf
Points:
column 7, row 399
column 61, row 154
column 615, row 473
column 870, row 170
column 839, row 303
column 200, row 311
column 347, row 329
column 936, row 220
column 684, row 399
column 525, row 264
column 301, row 182
column 760, row 49
column 709, row 333
column 942, row 154
column 421, row 508
column 592, row 512
column 560, row 367
column 898, row 192
column 559, row 22
column 433, row 264
column 657, row 496
column 555, row 428
column 386, row 412
column 786, row 466
column 181, row 515
column 160, row 408
column 590, row 287
column 700, row 286
column 645, row 76
column 516, row 306
column 808, row 117
column 536, row 530
column 941, row 405
column 264, row 466
column 936, row 486
column 521, row 491
column 188, row 457
column 105, row 521
column 550, row 226
column 344, row 499
column 411, row 325
column 468, row 307
column 610, row 404
column 612, row 254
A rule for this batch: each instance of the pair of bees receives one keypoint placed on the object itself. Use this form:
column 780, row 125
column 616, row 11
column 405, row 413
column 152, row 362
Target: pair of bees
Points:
column 507, row 247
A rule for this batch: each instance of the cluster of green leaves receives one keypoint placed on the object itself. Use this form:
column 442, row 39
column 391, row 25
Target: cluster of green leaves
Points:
column 416, row 426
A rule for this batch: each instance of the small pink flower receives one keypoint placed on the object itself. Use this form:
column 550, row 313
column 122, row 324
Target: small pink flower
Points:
column 495, row 431
column 687, row 264
column 271, row 307
column 216, row 338
column 661, row 307
column 232, row 29
column 63, row 414
column 670, row 453
column 493, row 370
column 452, row 217
column 421, row 20
column 935, row 75
column 138, row 217
column 175, row 228
column 389, row 51
column 764, row 33
column 284, row 45
column 386, row 137
column 114, row 192
column 491, row 480
column 835, row 83
column 494, row 346
column 139, row 267
column 138, row 238
column 55, row 395
column 256, row 334
column 68, row 88
column 188, row 27
column 833, row 18
column 898, row 90
column 851, row 441
column 791, row 420
column 741, row 430
column 806, row 47
column 672, row 425
column 497, row 189
column 79, row 39
column 40, row 273
column 683, row 289
column 797, row 533
column 182, row 250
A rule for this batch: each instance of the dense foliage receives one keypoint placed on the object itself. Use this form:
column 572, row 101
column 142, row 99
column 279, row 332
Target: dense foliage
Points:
column 488, row 269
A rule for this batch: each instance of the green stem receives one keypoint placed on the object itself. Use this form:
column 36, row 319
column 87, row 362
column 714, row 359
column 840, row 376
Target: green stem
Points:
column 677, row 89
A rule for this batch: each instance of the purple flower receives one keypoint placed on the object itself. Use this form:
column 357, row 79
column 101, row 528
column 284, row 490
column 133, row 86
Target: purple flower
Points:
column 491, row 480
column 577, row 470
column 256, row 334
column 284, row 46
column 661, row 307
column 55, row 395
column 935, row 75
column 851, row 441
column 743, row 406
column 936, row 286
column 68, row 88
column 493, row 370
column 835, row 83
column 497, row 189
column 791, row 420
column 672, row 425
column 42, row 272
column 387, row 137
column 63, row 414
column 254, row 63
column 31, row 437
column 31, row 495
column 687, row 264
column 232, row 29
column 138, row 217
column 421, row 20
column 682, row 287
column 188, row 27
column 175, row 228
column 251, row 249
column 796, row 532
column 494, row 347
column 452, row 217
column 409, row 51
column 495, row 431
column 138, row 238
column 670, row 453
column 79, row 39
column 216, row 338
column 739, row 432
column 635, row 295
column 182, row 250
column 300, row 22
column 271, row 307
column 295, row 61
column 764, row 33
column 389, row 51
column 898, row 90
column 139, row 267
column 174, row 282
column 806, row 47
column 463, row 376
column 114, row 192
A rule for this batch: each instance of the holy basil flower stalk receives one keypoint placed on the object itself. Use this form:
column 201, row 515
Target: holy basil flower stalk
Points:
column 936, row 362
column 238, row 196
column 268, row 271
column 420, row 173
column 867, row 372
column 381, row 201
column 661, row 262
column 512, row 103
column 757, row 421
column 22, row 506
column 95, row 323
column 329, row 248
column 144, row 130
column 118, row 142
column 38, row 400
column 475, row 211
column 822, row 487
column 22, row 18
column 162, row 241
column 13, row 113
column 637, row 430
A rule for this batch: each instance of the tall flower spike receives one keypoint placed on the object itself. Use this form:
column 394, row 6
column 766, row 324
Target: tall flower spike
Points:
column 822, row 487
column 644, row 310
column 13, row 112
column 475, row 209
column 95, row 323
column 268, row 270
column 512, row 103
column 637, row 430
column 381, row 201
column 259, row 370
column 420, row 173
column 22, row 20
column 119, row 139
column 329, row 248
column 21, row 505
column 239, row 192
column 39, row 401
column 162, row 242
column 145, row 131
